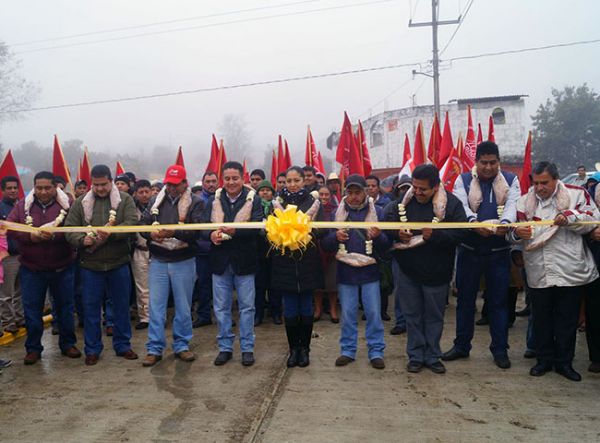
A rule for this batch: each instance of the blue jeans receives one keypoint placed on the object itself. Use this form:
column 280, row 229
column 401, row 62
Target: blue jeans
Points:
column 297, row 304
column 96, row 284
column 223, row 286
column 178, row 276
column 495, row 267
column 423, row 308
column 400, row 321
column 203, row 288
column 371, row 300
column 107, row 306
column 34, row 286
column 78, row 293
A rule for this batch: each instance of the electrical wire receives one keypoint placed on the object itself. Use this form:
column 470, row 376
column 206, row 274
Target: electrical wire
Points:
column 210, row 25
column 462, row 19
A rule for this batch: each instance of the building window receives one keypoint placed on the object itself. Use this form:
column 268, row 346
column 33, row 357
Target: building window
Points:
column 377, row 133
column 498, row 116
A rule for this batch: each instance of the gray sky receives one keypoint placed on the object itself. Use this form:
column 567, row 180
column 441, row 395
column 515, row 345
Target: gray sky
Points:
column 321, row 42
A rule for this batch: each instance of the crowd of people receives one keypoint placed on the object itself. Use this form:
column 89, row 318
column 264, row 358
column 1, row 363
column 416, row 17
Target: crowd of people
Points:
column 97, row 276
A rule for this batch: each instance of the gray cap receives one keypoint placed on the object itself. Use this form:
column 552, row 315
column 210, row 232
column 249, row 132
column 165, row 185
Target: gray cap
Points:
column 356, row 180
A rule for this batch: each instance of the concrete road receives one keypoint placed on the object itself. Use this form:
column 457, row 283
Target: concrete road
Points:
column 61, row 400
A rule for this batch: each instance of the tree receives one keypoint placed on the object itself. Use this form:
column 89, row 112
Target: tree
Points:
column 567, row 129
column 233, row 129
column 15, row 92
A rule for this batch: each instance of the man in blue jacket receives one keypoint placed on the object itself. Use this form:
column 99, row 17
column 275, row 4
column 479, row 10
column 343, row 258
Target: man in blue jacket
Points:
column 358, row 271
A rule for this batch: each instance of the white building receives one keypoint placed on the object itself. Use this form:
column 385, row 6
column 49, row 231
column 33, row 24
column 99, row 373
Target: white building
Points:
column 385, row 132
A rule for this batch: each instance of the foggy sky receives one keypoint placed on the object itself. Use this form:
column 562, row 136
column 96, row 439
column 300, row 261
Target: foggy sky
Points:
column 328, row 41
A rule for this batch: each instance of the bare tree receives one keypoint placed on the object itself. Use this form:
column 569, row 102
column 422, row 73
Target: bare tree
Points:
column 233, row 129
column 16, row 93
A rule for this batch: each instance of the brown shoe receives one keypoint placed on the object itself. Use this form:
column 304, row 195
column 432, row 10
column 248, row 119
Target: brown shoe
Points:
column 343, row 360
column 72, row 352
column 13, row 329
column 91, row 359
column 378, row 363
column 185, row 356
column 151, row 360
column 32, row 358
column 109, row 331
column 128, row 355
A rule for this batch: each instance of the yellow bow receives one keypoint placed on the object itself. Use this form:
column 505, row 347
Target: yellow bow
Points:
column 288, row 229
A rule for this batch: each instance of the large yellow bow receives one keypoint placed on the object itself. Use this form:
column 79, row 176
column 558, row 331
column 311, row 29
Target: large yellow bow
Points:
column 288, row 229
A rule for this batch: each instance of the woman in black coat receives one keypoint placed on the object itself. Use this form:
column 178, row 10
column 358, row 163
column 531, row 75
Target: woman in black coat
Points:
column 296, row 274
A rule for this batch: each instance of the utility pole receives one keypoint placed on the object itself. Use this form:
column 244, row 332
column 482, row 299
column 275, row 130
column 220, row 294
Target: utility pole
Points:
column 435, row 61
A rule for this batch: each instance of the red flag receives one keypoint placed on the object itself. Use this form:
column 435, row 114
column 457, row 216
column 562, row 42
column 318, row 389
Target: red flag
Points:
column 321, row 166
column 525, row 180
column 364, row 150
column 491, row 135
column 311, row 155
column 179, row 158
column 467, row 154
column 452, row 168
column 419, row 156
column 119, row 169
column 222, row 159
column 435, row 139
column 274, row 172
column 345, row 145
column 479, row 134
column 246, row 175
column 447, row 144
column 78, row 172
column 59, row 164
column 281, row 163
column 9, row 168
column 406, row 157
column 288, row 159
column 213, row 161
column 86, row 168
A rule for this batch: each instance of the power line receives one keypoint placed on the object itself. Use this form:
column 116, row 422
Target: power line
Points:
column 298, row 78
column 166, row 22
column 210, row 25
column 463, row 16
column 216, row 88
column 387, row 96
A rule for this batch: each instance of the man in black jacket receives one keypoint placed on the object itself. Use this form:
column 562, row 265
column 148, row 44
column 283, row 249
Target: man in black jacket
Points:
column 172, row 264
column 233, row 260
column 426, row 262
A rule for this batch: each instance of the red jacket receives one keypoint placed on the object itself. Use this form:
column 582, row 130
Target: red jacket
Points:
column 52, row 255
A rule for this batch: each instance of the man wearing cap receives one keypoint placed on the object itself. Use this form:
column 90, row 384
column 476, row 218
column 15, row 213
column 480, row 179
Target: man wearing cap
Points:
column 358, row 272
column 103, row 260
column 487, row 194
column 233, row 260
column 426, row 261
column 123, row 183
column 203, row 287
column 333, row 183
column 172, row 264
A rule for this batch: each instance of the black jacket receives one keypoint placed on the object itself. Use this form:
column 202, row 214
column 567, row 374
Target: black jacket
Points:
column 299, row 271
column 168, row 214
column 240, row 251
column 430, row 264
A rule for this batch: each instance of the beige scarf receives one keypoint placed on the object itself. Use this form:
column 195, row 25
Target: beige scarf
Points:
column 243, row 215
column 499, row 186
column 183, row 206
column 355, row 259
column 61, row 198
column 90, row 199
column 563, row 202
column 439, row 202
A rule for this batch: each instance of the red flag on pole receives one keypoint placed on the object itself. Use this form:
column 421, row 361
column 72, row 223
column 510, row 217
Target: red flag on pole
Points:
column 491, row 135
column 467, row 154
column 213, row 161
column 59, row 164
column 452, row 168
column 86, row 168
column 281, row 164
column 447, row 144
column 274, row 172
column 9, row 168
column 119, row 170
column 288, row 158
column 78, row 172
column 435, row 139
column 321, row 165
column 342, row 154
column 479, row 134
column 419, row 156
column 222, row 159
column 311, row 155
column 525, row 180
column 246, row 175
column 179, row 158
column 364, row 150
column 406, row 154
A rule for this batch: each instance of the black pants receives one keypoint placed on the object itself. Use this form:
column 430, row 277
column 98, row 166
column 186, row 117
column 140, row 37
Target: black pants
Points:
column 555, row 323
column 592, row 320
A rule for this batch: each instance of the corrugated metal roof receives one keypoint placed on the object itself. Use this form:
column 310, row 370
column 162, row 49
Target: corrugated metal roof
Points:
column 465, row 101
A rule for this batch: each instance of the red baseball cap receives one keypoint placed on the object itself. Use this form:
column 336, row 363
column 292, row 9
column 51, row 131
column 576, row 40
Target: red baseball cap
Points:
column 175, row 175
